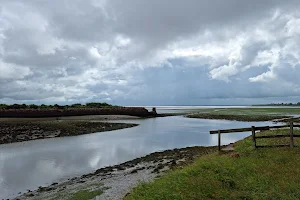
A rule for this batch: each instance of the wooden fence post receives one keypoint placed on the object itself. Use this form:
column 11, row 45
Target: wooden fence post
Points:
column 219, row 140
column 291, row 134
column 253, row 137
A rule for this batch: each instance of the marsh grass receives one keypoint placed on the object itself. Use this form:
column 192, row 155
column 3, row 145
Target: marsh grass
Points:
column 253, row 111
column 246, row 114
column 237, row 117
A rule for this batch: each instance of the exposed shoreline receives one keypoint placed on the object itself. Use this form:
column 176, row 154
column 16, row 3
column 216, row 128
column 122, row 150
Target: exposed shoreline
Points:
column 26, row 129
column 114, row 182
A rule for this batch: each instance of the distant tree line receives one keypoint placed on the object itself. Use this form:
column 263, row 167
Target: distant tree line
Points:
column 55, row 106
column 280, row 104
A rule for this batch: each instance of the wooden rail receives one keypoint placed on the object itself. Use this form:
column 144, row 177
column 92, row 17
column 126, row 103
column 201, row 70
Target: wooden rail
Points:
column 253, row 129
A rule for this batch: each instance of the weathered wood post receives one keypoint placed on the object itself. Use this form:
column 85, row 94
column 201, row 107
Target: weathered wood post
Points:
column 219, row 140
column 253, row 137
column 291, row 134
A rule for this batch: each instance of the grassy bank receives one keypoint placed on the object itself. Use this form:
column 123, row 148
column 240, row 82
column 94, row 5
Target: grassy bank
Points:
column 246, row 114
column 272, row 173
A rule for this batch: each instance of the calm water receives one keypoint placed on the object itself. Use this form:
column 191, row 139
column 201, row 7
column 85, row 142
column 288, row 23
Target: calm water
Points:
column 28, row 165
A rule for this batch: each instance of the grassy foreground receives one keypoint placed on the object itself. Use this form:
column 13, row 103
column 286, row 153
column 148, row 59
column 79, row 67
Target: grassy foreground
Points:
column 246, row 114
column 271, row 173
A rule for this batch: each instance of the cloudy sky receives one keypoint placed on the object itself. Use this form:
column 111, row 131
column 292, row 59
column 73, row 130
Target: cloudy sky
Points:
column 158, row 52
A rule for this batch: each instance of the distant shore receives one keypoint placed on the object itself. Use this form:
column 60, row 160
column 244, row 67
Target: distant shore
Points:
column 19, row 124
column 249, row 114
column 280, row 104
column 57, row 112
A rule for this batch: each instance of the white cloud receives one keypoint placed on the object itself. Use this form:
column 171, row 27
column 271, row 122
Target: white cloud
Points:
column 224, row 72
column 13, row 72
column 95, row 53
column 264, row 77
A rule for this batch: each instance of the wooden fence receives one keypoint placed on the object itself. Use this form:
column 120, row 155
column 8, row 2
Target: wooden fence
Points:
column 253, row 129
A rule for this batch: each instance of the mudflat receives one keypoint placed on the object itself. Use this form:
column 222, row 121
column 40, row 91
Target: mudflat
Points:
column 25, row 129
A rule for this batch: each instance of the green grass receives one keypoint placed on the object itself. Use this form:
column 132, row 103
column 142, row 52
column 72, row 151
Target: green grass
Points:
column 252, row 111
column 85, row 194
column 271, row 173
column 245, row 114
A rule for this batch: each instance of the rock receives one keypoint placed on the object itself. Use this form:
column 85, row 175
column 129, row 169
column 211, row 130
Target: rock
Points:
column 134, row 171
column 44, row 189
column 172, row 163
column 159, row 167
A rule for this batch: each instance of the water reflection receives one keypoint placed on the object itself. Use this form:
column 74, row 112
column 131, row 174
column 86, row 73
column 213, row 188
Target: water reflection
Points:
column 30, row 164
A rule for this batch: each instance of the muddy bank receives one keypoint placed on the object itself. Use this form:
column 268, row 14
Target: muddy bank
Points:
column 288, row 120
column 85, row 117
column 32, row 113
column 245, row 118
column 114, row 182
column 19, row 131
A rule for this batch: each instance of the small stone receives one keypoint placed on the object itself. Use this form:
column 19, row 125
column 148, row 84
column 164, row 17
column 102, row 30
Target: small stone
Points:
column 134, row 171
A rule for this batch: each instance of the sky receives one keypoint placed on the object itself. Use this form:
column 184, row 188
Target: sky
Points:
column 158, row 52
